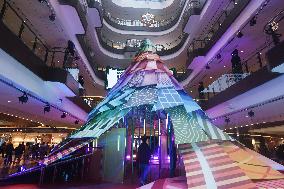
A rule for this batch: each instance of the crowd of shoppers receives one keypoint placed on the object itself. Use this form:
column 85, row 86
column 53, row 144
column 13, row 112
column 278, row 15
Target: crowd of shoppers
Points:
column 24, row 151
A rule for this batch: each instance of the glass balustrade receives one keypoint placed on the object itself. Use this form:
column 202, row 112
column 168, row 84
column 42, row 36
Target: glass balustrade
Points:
column 207, row 37
column 137, row 43
column 155, row 24
column 254, row 62
column 22, row 28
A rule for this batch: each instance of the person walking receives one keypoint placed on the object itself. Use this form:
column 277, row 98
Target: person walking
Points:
column 143, row 158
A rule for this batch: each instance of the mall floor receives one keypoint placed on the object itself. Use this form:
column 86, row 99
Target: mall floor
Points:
column 81, row 186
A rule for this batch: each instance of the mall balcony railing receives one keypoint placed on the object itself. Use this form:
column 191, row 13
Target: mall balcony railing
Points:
column 276, row 54
column 132, row 45
column 200, row 47
column 31, row 51
column 85, row 167
column 82, row 7
column 138, row 25
column 194, row 7
column 256, row 71
column 90, row 56
column 151, row 0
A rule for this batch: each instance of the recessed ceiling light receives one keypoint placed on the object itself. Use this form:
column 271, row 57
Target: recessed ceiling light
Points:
column 224, row 66
column 9, row 101
column 210, row 77
column 242, row 51
column 247, row 116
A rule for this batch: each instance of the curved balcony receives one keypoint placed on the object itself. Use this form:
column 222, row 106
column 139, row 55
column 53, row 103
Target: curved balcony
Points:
column 152, row 4
column 132, row 45
column 138, row 25
column 182, row 13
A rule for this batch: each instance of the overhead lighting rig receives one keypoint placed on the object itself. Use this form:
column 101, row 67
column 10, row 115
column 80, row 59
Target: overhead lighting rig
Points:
column 46, row 108
column 24, row 98
column 63, row 115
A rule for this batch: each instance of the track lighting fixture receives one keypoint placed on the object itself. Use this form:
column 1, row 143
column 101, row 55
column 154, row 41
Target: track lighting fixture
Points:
column 251, row 113
column 52, row 17
column 218, row 56
column 240, row 34
column 46, row 108
column 207, row 67
column 227, row 120
column 24, row 98
column 63, row 115
column 252, row 22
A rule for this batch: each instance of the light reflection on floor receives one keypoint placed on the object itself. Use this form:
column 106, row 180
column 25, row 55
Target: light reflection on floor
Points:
column 100, row 186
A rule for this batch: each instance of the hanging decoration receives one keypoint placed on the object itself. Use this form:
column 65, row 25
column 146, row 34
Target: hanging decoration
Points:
column 148, row 19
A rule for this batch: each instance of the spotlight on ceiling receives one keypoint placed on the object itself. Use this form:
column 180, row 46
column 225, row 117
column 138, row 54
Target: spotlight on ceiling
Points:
column 218, row 56
column 77, row 122
column 251, row 113
column 52, row 17
column 252, row 22
column 227, row 120
column 46, row 108
column 24, row 98
column 63, row 115
column 207, row 67
column 240, row 34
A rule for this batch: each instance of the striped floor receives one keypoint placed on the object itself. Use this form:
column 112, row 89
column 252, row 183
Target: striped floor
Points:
column 272, row 184
column 208, row 166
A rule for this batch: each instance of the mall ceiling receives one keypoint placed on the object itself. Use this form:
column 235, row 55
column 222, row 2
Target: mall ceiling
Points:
column 30, row 113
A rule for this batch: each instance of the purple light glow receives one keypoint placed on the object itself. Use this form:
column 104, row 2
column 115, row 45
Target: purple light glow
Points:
column 156, row 157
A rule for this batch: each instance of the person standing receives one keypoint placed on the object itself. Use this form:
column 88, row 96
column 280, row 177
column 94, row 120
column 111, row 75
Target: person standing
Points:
column 143, row 158
column 200, row 90
column 236, row 62
column 3, row 149
column 27, row 152
column 17, row 157
column 9, row 152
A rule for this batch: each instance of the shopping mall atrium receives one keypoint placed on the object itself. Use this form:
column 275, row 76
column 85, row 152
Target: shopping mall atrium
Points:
column 149, row 94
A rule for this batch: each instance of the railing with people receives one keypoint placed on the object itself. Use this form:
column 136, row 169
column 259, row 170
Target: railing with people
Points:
column 254, row 63
column 162, row 49
column 139, row 25
column 185, row 9
column 200, row 46
column 256, row 60
column 192, row 7
column 23, row 29
column 75, row 168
